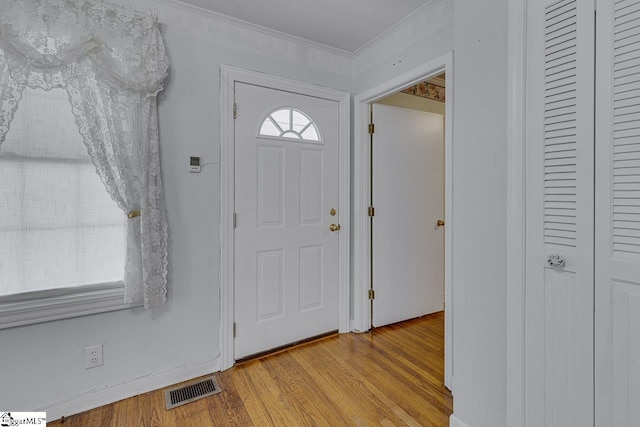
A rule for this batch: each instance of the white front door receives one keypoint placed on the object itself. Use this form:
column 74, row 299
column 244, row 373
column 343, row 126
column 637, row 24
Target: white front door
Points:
column 408, row 197
column 560, row 214
column 287, row 193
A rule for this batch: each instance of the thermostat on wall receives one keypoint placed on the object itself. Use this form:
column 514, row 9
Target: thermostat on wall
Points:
column 194, row 164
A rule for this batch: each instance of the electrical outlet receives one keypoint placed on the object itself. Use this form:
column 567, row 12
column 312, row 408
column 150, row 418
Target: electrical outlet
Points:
column 93, row 356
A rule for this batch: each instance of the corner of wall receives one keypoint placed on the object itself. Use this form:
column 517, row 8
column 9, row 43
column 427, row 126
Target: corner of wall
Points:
column 420, row 26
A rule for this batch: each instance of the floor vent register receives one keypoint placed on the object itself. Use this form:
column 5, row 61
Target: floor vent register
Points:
column 190, row 392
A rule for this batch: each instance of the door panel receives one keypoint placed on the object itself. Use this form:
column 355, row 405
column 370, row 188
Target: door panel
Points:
column 618, row 214
column 270, row 186
column 286, row 258
column 311, row 186
column 408, row 196
column 559, row 149
column 311, row 277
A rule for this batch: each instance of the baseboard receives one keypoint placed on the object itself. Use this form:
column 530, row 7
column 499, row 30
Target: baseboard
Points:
column 352, row 327
column 455, row 422
column 128, row 388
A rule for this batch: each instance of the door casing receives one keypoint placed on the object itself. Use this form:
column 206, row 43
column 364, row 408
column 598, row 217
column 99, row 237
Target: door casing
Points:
column 228, row 77
column 362, row 188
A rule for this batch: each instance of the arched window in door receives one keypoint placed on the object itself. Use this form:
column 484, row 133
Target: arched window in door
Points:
column 290, row 123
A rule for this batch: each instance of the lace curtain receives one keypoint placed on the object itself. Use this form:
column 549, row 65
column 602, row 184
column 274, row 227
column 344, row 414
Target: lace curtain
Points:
column 111, row 61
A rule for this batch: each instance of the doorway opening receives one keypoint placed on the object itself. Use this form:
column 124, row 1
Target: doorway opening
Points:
column 364, row 189
column 407, row 208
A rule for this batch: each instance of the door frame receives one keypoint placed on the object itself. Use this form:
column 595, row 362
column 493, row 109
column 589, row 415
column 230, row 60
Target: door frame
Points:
column 362, row 188
column 229, row 75
column 516, row 210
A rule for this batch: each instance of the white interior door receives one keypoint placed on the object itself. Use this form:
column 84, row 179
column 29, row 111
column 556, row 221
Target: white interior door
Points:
column 560, row 220
column 287, row 192
column 408, row 196
column 618, row 215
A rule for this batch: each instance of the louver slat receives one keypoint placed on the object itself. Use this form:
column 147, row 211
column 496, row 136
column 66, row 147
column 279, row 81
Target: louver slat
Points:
column 560, row 124
column 625, row 203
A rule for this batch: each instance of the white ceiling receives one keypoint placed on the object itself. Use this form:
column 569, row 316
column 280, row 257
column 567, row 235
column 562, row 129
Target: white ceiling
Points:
column 344, row 24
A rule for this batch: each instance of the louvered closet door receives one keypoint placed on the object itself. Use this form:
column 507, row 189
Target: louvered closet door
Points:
column 618, row 215
column 559, row 298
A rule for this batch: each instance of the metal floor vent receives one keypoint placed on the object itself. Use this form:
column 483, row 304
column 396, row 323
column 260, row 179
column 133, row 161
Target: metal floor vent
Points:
column 193, row 391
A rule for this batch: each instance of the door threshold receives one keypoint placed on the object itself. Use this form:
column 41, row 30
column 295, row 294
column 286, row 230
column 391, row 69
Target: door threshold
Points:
column 282, row 348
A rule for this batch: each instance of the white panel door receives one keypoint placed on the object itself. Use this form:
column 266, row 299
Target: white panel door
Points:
column 286, row 256
column 560, row 220
column 408, row 196
column 618, row 215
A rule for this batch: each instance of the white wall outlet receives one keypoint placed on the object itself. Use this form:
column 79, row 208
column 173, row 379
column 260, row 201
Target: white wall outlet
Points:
column 194, row 164
column 93, row 356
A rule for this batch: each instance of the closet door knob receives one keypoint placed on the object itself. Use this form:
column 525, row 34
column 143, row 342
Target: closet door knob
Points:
column 555, row 260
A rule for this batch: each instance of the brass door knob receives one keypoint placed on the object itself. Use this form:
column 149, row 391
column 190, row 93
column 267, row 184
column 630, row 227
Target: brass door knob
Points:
column 440, row 223
column 334, row 227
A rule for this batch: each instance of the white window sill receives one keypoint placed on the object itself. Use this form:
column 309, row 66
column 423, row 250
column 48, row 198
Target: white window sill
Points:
column 43, row 306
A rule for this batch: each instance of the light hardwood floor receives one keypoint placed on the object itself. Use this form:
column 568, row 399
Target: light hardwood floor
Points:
column 392, row 376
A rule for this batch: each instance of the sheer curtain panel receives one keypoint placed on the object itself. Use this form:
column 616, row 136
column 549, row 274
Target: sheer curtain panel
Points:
column 111, row 63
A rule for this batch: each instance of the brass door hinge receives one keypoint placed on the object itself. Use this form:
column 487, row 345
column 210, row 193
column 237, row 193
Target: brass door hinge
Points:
column 235, row 329
column 372, row 294
column 235, row 220
column 372, row 211
column 372, row 128
column 235, row 110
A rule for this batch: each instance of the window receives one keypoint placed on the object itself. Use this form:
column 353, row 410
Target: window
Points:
column 59, row 228
column 290, row 123
column 86, row 133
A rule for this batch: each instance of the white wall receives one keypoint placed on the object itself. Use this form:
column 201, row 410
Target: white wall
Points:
column 425, row 35
column 480, row 171
column 42, row 366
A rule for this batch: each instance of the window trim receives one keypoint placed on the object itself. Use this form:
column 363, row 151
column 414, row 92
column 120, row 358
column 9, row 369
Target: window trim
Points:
column 44, row 306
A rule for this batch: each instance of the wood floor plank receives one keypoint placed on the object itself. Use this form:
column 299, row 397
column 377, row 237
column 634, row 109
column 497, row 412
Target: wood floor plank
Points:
column 390, row 376
column 398, row 389
column 387, row 423
column 293, row 385
column 331, row 411
column 420, row 370
column 196, row 419
column 351, row 386
column 335, row 392
column 228, row 408
column 256, row 406
column 151, row 413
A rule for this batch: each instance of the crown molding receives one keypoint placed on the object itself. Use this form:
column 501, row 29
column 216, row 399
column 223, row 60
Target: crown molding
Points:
column 260, row 40
column 200, row 11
